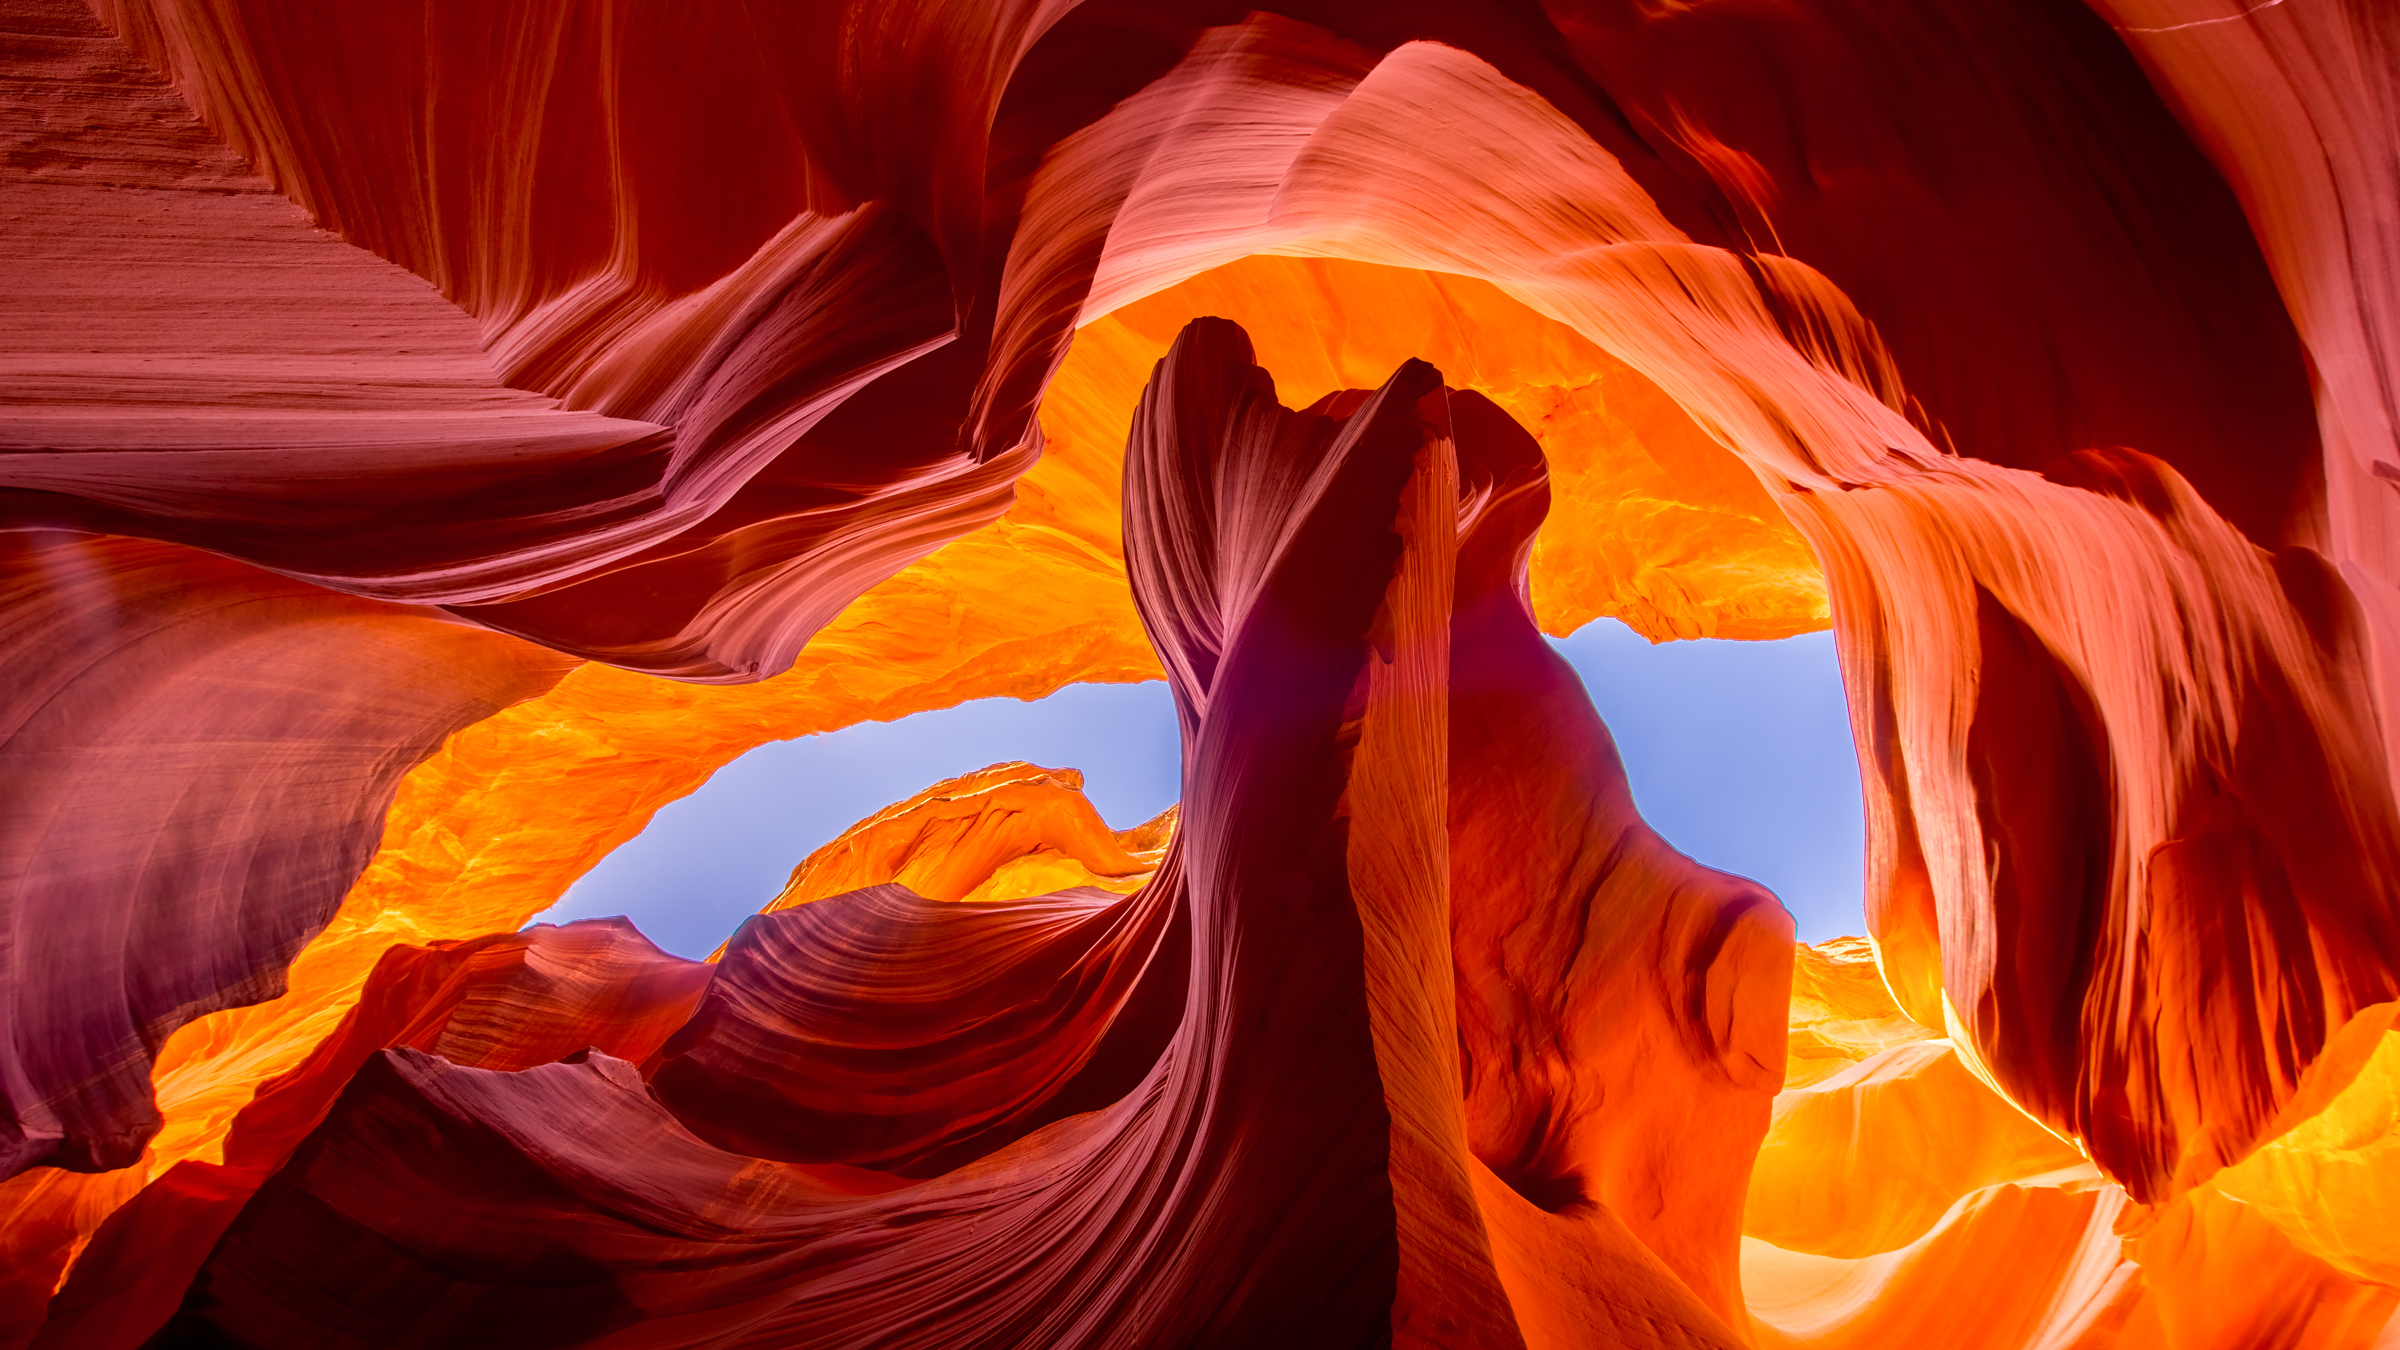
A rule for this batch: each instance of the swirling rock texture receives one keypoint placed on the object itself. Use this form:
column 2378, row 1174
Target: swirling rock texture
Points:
column 437, row 434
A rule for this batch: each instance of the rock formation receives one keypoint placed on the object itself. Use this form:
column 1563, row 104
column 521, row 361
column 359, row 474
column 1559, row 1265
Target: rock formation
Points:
column 438, row 434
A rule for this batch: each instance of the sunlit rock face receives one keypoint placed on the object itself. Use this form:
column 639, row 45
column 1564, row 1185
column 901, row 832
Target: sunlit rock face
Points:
column 439, row 434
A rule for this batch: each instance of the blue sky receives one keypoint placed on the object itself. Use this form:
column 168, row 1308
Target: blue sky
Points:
column 1739, row 753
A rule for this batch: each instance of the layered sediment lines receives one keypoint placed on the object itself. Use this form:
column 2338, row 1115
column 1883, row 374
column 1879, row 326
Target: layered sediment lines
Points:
column 435, row 438
column 1350, row 654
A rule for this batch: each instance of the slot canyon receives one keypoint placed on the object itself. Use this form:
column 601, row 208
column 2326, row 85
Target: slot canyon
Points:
column 435, row 435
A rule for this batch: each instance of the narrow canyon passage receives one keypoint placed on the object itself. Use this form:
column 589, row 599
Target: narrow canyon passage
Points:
column 449, row 451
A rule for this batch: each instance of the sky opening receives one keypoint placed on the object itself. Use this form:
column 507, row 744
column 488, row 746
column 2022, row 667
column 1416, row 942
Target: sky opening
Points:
column 1739, row 753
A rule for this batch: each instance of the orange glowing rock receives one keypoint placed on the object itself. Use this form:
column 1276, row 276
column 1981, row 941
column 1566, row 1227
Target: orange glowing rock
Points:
column 1656, row 524
column 1888, row 1170
column 46, row 1217
column 2216, row 1275
column 2331, row 1182
column 1880, row 1128
column 1841, row 1012
column 1882, row 1189
column 1867, row 1160
column 503, row 1001
column 1001, row 833
column 2042, row 1260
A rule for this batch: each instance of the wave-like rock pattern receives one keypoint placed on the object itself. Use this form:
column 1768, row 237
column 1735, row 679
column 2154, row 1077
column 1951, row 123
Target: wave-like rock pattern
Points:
column 1898, row 1200
column 368, row 370
column 249, row 731
column 505, row 1002
column 1197, row 1126
column 881, row 1029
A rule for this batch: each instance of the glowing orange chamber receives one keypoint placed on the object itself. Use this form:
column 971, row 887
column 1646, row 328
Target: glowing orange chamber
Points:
column 438, row 435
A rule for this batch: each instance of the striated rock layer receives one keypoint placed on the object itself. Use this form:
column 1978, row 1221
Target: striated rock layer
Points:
column 434, row 436
column 1372, row 723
